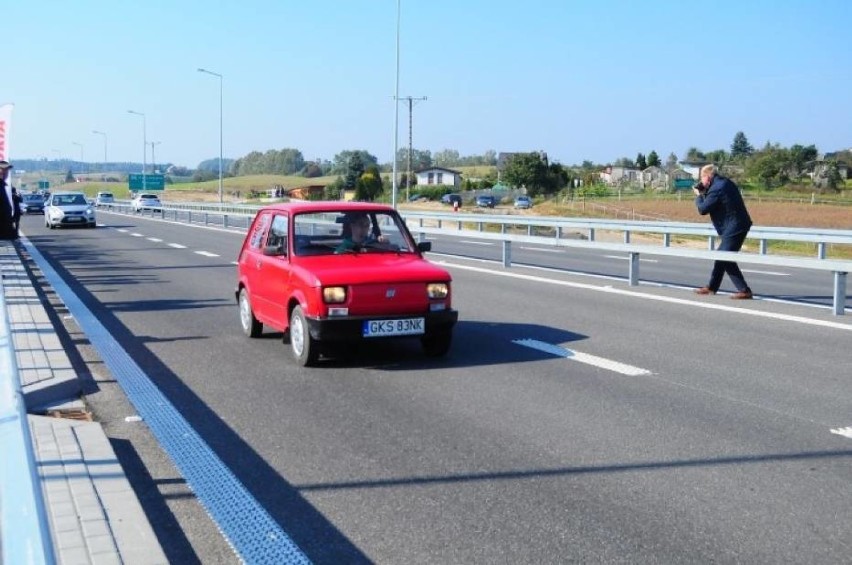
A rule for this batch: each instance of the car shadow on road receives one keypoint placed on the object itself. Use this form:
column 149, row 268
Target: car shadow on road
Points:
column 475, row 343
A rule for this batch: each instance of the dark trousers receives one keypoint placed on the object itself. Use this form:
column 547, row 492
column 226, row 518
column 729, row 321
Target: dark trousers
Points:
column 728, row 243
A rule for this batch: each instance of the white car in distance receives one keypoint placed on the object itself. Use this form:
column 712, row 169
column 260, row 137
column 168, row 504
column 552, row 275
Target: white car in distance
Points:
column 146, row 201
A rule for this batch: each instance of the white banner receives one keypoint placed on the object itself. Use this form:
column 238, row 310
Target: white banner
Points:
column 5, row 124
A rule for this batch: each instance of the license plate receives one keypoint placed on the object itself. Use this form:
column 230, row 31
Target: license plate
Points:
column 382, row 328
column 73, row 219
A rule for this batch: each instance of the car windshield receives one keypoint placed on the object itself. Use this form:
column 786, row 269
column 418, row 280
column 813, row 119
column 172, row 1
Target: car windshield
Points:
column 69, row 199
column 330, row 233
column 32, row 198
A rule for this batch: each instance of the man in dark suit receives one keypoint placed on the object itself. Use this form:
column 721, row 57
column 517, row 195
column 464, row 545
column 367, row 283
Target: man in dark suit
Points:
column 721, row 198
column 7, row 212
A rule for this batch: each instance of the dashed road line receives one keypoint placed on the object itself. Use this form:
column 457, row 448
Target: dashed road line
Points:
column 154, row 239
column 205, row 253
column 845, row 432
column 177, row 245
column 586, row 358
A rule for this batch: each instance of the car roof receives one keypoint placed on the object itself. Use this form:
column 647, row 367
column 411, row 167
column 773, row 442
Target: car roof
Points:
column 327, row 206
column 65, row 192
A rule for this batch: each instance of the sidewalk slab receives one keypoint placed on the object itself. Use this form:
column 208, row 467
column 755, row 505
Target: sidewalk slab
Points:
column 94, row 514
column 46, row 373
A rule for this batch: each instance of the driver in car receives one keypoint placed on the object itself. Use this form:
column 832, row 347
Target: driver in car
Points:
column 359, row 233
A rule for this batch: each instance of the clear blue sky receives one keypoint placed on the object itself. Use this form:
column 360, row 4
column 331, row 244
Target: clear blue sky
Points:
column 595, row 80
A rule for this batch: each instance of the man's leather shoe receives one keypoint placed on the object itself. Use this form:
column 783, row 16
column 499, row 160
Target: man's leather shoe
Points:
column 704, row 290
column 742, row 295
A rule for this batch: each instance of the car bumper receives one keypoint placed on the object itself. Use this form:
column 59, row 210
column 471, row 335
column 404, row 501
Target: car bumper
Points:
column 349, row 329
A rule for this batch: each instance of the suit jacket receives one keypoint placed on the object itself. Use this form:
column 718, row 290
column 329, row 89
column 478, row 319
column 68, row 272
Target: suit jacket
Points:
column 723, row 201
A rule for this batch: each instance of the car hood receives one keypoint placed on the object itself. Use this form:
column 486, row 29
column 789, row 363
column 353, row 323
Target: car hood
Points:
column 73, row 207
column 368, row 268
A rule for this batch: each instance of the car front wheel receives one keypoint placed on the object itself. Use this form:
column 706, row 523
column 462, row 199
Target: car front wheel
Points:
column 305, row 348
column 251, row 326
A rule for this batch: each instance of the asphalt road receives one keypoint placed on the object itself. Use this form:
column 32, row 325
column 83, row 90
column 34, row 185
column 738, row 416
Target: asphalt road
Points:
column 576, row 419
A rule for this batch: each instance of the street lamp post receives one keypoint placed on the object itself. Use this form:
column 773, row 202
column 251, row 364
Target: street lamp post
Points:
column 396, row 111
column 105, row 146
column 144, row 147
column 153, row 156
column 80, row 145
column 221, row 80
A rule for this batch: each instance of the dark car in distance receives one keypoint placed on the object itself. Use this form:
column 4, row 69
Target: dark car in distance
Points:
column 452, row 199
column 486, row 201
column 32, row 204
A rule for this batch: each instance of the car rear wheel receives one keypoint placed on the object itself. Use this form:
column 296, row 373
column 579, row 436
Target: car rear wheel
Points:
column 305, row 348
column 251, row 326
column 437, row 345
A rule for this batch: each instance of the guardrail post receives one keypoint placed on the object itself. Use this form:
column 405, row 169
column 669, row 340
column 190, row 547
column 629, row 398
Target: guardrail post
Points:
column 821, row 250
column 507, row 253
column 763, row 247
column 558, row 233
column 839, row 293
column 189, row 216
column 633, row 274
column 667, row 240
column 711, row 243
column 591, row 234
column 224, row 220
column 206, row 218
column 626, row 236
column 480, row 226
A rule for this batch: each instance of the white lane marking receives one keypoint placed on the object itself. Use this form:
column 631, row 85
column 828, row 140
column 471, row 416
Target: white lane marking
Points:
column 177, row 246
column 543, row 249
column 626, row 257
column 122, row 230
column 136, row 235
column 586, row 358
column 475, row 242
column 772, row 273
column 693, row 303
column 845, row 432
column 154, row 239
column 206, row 254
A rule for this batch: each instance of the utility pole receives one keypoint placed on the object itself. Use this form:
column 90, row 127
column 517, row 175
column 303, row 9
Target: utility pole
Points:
column 411, row 100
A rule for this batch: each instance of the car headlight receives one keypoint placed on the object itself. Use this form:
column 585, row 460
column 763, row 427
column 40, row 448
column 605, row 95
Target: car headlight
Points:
column 90, row 212
column 334, row 294
column 437, row 290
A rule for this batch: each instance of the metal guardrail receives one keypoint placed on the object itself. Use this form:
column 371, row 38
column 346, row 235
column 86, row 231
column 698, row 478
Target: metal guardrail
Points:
column 556, row 229
column 24, row 528
column 559, row 226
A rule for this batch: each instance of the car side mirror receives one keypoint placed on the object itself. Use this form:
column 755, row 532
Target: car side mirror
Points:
column 274, row 250
column 424, row 246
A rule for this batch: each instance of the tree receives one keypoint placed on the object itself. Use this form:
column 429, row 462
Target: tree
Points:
column 740, row 148
column 768, row 166
column 447, row 158
column 719, row 156
column 641, row 164
column 369, row 185
column 70, row 177
column 341, row 161
column 671, row 162
column 693, row 154
column 531, row 171
column 800, row 157
column 653, row 159
column 312, row 170
column 625, row 162
column 354, row 169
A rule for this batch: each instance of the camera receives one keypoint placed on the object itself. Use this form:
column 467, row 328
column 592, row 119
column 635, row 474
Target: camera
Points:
column 698, row 186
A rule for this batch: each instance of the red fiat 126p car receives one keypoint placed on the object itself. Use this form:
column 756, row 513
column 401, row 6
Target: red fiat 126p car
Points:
column 326, row 272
